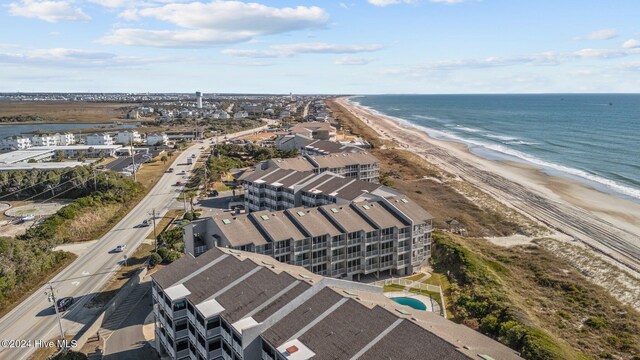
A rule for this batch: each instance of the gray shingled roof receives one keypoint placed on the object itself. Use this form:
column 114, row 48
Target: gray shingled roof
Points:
column 347, row 218
column 277, row 226
column 424, row 345
column 313, row 221
column 182, row 267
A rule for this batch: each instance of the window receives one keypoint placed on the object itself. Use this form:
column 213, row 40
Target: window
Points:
column 179, row 305
column 182, row 345
column 213, row 323
column 200, row 318
column 215, row 345
column 181, row 325
column 190, row 307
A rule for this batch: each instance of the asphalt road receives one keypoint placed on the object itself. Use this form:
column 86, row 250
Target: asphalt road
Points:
column 34, row 318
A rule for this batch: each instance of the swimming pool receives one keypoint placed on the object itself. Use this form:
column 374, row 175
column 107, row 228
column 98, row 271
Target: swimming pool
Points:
column 410, row 302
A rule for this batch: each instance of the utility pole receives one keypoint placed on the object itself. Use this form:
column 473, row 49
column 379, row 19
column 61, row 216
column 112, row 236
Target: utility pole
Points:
column 95, row 184
column 52, row 298
column 184, row 200
column 155, row 237
column 133, row 159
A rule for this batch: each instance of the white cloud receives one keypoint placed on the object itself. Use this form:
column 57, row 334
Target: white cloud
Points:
column 50, row 11
column 214, row 23
column 539, row 59
column 631, row 44
column 602, row 34
column 389, row 2
column 631, row 66
column 66, row 57
column 287, row 50
column 348, row 60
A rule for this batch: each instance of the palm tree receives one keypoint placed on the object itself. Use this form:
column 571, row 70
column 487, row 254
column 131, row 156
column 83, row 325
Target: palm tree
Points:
column 191, row 195
column 164, row 159
column 170, row 153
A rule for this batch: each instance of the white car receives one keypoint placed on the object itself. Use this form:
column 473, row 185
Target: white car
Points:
column 120, row 248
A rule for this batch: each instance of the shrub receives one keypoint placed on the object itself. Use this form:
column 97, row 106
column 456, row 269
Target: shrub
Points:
column 155, row 259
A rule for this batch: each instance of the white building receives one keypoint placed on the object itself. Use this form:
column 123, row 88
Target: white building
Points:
column 100, row 139
column 240, row 115
column 157, row 139
column 15, row 143
column 127, row 137
column 44, row 140
column 220, row 114
column 65, row 139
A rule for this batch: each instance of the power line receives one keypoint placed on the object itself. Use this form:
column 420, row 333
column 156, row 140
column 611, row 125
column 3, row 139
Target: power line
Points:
column 36, row 184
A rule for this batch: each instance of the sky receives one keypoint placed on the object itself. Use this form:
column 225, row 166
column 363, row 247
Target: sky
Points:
column 329, row 47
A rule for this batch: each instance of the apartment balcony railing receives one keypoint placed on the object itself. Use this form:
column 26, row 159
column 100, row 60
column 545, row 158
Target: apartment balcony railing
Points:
column 371, row 240
column 372, row 267
column 199, row 250
column 201, row 349
column 353, row 269
column 226, row 336
column 338, row 271
column 402, row 262
column 319, row 246
column 280, row 251
column 266, row 356
column 387, row 251
column 336, row 258
column 302, row 248
column 319, row 260
column 302, row 262
column 182, row 353
column 213, row 332
column 386, row 265
column 372, row 253
column 354, row 255
column 353, row 242
column 182, row 333
column 237, row 347
column 338, row 244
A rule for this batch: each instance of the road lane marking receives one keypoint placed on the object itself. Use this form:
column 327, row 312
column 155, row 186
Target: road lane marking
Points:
column 75, row 283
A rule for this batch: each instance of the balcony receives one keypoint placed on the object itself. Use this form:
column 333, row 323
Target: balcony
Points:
column 353, row 242
column 354, row 255
column 372, row 253
column 372, row 267
column 338, row 271
column 201, row 329
column 353, row 269
column 215, row 354
column 182, row 353
column 182, row 333
column 319, row 259
column 214, row 332
column 199, row 250
column 226, row 336
column 266, row 356
column 386, row 265
column 177, row 315
column 280, row 251
column 201, row 350
column 303, row 262
column 336, row 258
column 322, row 245
column 371, row 240
column 338, row 244
column 237, row 347
column 302, row 248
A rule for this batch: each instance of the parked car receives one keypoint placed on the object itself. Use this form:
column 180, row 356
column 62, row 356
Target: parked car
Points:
column 120, row 248
column 170, row 170
column 145, row 223
column 178, row 183
column 64, row 303
column 193, row 156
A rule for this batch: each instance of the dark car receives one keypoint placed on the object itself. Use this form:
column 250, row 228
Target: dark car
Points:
column 64, row 303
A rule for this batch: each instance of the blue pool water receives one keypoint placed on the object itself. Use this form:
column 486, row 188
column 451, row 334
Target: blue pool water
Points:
column 411, row 302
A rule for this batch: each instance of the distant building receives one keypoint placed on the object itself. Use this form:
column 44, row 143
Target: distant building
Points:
column 133, row 114
column 305, row 145
column 15, row 143
column 284, row 114
column 229, row 304
column 128, row 137
column 65, row 139
column 220, row 114
column 356, row 165
column 315, row 130
column 157, row 139
column 100, row 139
column 240, row 114
column 199, row 99
column 44, row 140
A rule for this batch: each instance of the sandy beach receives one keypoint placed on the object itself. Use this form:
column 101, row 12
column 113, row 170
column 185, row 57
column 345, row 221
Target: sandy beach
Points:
column 602, row 222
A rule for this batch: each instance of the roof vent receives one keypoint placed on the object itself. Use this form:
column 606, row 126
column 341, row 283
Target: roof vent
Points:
column 291, row 349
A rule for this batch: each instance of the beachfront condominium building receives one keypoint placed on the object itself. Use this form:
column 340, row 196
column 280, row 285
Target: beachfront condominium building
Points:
column 15, row 143
column 370, row 237
column 100, row 139
column 231, row 305
column 356, row 165
column 306, row 146
column 279, row 189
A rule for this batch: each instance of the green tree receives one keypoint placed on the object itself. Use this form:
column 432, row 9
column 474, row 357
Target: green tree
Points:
column 164, row 159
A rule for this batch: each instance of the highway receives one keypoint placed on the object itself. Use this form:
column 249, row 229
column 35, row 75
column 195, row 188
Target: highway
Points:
column 34, row 319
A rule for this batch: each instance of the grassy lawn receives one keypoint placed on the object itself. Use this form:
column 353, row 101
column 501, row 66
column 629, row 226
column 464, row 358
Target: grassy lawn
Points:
column 415, row 277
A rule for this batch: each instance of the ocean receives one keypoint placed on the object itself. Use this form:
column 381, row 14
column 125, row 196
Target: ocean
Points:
column 592, row 138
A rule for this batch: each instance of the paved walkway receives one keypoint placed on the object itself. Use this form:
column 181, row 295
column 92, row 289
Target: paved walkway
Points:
column 123, row 330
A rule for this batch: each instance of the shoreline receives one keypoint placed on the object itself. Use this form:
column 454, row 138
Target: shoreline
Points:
column 601, row 221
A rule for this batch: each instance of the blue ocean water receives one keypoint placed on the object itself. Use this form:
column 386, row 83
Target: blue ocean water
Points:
column 594, row 138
